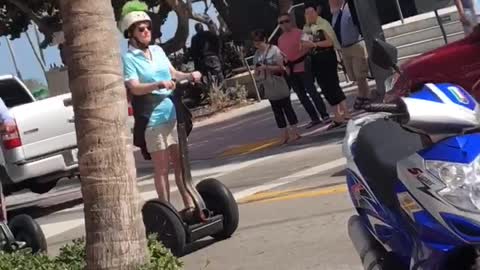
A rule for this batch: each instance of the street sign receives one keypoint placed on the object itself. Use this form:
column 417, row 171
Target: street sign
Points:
column 431, row 5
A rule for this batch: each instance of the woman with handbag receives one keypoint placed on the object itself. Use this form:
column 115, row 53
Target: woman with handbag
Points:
column 270, row 72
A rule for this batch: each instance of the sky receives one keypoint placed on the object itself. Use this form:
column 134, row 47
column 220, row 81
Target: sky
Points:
column 30, row 68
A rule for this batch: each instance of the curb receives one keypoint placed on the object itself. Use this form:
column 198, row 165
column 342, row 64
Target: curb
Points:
column 272, row 196
column 250, row 148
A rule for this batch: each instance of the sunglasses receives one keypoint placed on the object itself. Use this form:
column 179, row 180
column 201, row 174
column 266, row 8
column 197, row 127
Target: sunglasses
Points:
column 284, row 21
column 143, row 28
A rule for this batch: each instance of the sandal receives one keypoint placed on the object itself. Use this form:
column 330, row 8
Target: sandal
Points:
column 360, row 102
column 326, row 120
column 336, row 124
column 298, row 137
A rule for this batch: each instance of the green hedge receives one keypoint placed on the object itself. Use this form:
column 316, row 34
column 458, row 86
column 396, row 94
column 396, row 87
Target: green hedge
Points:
column 72, row 257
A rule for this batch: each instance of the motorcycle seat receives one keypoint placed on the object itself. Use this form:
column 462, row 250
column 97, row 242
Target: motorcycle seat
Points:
column 379, row 146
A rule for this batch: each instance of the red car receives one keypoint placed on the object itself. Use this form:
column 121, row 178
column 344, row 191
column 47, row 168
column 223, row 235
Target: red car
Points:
column 457, row 62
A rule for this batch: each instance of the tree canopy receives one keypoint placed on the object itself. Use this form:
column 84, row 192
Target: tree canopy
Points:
column 17, row 15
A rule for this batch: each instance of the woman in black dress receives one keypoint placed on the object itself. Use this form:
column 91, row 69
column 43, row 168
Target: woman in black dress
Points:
column 321, row 39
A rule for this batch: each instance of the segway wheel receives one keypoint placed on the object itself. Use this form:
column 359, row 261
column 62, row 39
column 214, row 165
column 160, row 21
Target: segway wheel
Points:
column 161, row 220
column 220, row 201
column 25, row 229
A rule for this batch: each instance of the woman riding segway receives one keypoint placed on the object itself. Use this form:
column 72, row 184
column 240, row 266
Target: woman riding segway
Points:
column 211, row 209
column 149, row 76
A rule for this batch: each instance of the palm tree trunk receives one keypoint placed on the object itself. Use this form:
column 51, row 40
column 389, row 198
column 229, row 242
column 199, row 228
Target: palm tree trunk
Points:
column 115, row 234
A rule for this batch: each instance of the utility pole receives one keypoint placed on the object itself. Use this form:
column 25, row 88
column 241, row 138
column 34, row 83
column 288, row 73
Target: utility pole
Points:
column 399, row 10
column 37, row 35
column 442, row 28
column 42, row 64
column 14, row 60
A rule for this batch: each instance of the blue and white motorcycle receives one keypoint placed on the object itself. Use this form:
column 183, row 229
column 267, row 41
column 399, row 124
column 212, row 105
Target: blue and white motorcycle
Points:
column 413, row 174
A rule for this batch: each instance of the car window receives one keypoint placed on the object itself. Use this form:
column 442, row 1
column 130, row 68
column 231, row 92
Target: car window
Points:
column 13, row 94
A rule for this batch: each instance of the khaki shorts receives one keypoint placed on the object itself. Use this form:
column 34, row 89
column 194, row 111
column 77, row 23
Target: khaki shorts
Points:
column 356, row 61
column 161, row 137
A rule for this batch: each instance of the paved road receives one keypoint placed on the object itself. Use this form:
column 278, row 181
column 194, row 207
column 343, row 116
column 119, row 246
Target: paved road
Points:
column 293, row 201
column 293, row 209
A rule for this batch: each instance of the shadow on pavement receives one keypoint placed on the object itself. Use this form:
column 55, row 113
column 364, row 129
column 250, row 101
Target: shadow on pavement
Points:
column 295, row 219
column 37, row 211
column 340, row 173
column 200, row 244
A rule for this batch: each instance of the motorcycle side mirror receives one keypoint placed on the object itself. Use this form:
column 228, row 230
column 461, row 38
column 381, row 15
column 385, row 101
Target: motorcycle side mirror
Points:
column 384, row 55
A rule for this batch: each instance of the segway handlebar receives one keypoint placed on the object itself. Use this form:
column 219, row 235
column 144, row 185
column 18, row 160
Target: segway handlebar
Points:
column 181, row 86
column 182, row 82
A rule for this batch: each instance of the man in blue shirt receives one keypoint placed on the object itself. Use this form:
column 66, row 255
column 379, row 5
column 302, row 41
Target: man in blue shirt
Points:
column 353, row 50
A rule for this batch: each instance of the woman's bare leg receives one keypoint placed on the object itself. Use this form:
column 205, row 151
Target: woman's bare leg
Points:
column 161, row 167
column 174, row 152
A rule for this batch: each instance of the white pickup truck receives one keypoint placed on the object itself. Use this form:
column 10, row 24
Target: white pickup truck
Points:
column 43, row 148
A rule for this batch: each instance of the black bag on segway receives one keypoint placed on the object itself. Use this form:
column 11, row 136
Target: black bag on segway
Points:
column 141, row 120
column 139, row 135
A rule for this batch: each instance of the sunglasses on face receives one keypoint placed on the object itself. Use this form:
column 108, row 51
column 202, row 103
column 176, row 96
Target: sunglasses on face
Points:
column 284, row 21
column 142, row 29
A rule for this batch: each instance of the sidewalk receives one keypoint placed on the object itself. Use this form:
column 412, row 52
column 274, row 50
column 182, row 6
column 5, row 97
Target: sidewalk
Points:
column 243, row 131
column 248, row 129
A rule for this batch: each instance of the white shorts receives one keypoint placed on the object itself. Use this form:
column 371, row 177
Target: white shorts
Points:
column 161, row 137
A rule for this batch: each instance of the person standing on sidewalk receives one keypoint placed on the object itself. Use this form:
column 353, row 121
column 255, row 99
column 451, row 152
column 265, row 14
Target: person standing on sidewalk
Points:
column 469, row 12
column 353, row 50
column 270, row 71
column 300, row 79
column 322, row 43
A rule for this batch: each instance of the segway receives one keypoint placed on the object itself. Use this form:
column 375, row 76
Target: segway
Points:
column 215, row 207
column 21, row 232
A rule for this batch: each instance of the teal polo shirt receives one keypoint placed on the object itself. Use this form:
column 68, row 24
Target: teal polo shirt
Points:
column 138, row 67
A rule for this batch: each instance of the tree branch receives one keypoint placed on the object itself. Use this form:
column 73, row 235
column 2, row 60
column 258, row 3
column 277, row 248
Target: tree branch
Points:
column 43, row 27
column 180, row 38
column 202, row 18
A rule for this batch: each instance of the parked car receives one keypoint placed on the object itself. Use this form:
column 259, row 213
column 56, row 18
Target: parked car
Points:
column 43, row 147
column 457, row 63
